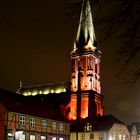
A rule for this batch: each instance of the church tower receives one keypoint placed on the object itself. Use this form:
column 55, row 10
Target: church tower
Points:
column 86, row 97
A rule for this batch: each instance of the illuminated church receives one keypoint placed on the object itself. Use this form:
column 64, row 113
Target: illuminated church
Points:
column 84, row 90
column 64, row 111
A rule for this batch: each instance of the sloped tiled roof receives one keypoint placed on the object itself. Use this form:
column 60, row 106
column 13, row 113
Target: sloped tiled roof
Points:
column 48, row 106
column 44, row 89
column 101, row 123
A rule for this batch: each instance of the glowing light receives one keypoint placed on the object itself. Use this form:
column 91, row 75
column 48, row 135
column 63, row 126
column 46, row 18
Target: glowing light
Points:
column 120, row 136
column 25, row 94
column 52, row 91
column 74, row 48
column 64, row 90
column 54, row 138
column 100, row 110
column 29, row 93
column 73, row 108
column 58, row 91
column 40, row 92
column 20, row 135
column 90, row 46
column 110, row 138
column 84, row 106
column 43, row 138
column 46, row 91
column 34, row 93
column 10, row 134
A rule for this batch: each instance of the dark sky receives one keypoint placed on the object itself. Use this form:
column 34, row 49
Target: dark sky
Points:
column 36, row 38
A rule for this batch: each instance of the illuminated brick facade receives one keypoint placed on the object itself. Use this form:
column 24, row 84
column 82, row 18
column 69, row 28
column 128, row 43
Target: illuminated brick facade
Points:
column 86, row 98
column 85, row 88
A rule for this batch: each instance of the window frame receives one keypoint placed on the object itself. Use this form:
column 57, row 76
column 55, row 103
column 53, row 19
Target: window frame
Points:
column 43, row 123
column 32, row 123
column 61, row 127
column 52, row 126
column 31, row 136
column 22, row 121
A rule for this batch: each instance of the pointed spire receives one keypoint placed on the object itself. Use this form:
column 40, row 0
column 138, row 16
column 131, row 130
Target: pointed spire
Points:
column 85, row 29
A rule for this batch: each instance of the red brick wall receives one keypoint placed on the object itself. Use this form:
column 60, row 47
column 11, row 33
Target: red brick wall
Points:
column 3, row 113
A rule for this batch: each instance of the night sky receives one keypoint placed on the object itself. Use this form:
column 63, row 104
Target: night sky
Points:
column 36, row 38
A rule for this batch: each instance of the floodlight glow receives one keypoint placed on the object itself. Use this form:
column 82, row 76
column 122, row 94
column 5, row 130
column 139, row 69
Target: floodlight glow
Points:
column 52, row 91
column 40, row 92
column 34, row 93
column 25, row 94
column 46, row 91
column 58, row 91
column 29, row 93
column 64, row 90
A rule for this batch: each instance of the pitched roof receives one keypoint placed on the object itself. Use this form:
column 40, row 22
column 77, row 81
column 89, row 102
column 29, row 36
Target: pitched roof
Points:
column 44, row 89
column 48, row 106
column 100, row 123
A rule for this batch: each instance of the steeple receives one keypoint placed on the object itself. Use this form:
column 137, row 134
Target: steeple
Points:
column 86, row 97
column 86, row 33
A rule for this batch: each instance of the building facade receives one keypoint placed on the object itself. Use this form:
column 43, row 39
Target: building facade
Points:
column 23, row 118
column 86, row 97
column 134, row 130
column 27, row 127
column 103, row 128
column 85, row 89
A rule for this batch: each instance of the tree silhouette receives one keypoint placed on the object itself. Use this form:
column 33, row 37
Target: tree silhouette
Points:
column 119, row 18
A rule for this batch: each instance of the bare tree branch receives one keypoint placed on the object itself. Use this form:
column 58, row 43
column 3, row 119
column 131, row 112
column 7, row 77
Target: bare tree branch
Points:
column 123, row 20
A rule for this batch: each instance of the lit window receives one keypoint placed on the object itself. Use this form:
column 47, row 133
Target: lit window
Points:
column 124, row 137
column 61, row 127
column 61, row 138
column 43, row 137
column 20, row 135
column 88, row 127
column 53, row 138
column 44, row 123
column 10, row 134
column 21, row 120
column 32, row 122
column 83, row 136
column 32, row 137
column 53, row 126
column 120, row 137
column 116, row 136
column 101, row 136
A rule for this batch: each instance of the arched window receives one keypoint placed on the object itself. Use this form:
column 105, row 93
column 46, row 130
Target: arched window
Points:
column 88, row 127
